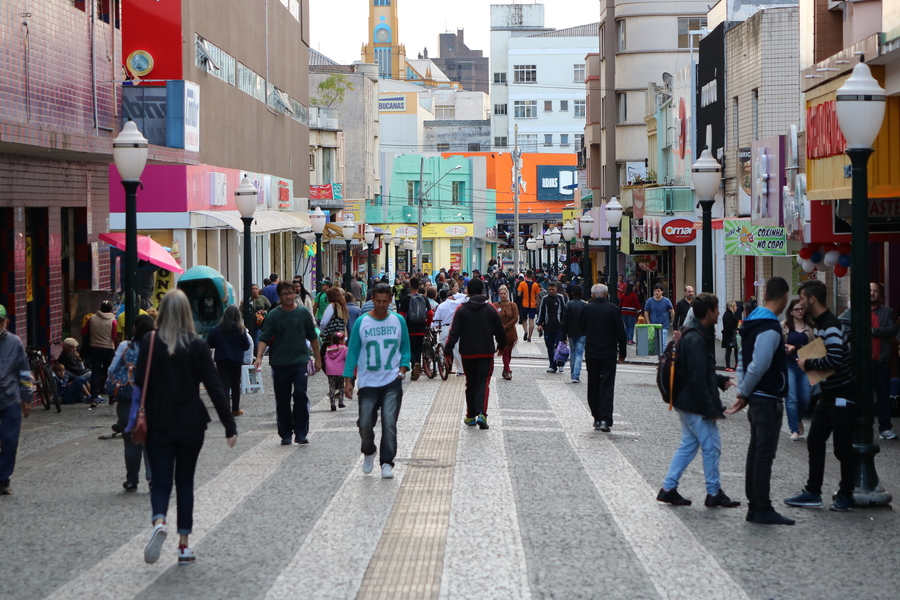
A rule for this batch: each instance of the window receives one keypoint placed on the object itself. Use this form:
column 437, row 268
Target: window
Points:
column 620, row 35
column 621, row 107
column 475, row 147
column 250, row 82
column 525, row 73
column 564, row 139
column 500, row 78
column 580, row 109
column 500, row 142
column 686, row 25
column 525, row 109
column 563, row 106
column 603, row 112
column 382, row 2
column 603, row 180
column 214, row 60
column 445, row 111
column 458, row 193
column 499, row 109
column 579, row 73
column 280, row 101
column 602, row 42
column 312, row 161
column 579, row 140
column 412, row 192
column 548, row 139
column 383, row 58
column 443, row 147
column 528, row 142
column 548, row 105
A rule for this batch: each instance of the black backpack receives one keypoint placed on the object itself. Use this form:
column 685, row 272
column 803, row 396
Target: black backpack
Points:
column 665, row 375
column 418, row 309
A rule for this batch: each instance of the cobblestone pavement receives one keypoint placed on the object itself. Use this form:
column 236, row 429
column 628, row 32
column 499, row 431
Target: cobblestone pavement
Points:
column 538, row 506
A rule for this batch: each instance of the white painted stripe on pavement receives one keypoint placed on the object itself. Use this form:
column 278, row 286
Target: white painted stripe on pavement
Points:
column 213, row 502
column 654, row 531
column 336, row 553
column 484, row 523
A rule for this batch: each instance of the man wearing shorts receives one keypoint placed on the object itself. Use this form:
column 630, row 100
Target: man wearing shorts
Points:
column 529, row 292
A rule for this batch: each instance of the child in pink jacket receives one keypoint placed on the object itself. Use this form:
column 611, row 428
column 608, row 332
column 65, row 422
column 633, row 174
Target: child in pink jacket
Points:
column 335, row 357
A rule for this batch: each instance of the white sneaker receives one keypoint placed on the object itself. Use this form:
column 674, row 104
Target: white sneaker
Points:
column 888, row 435
column 387, row 471
column 368, row 463
column 154, row 546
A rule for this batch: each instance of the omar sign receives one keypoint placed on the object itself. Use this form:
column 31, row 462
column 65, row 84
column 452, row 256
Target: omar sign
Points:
column 669, row 231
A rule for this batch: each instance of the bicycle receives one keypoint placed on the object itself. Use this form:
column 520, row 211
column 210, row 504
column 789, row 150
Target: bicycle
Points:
column 44, row 386
column 433, row 354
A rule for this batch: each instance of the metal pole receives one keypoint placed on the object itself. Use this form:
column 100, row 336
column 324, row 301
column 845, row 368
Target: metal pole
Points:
column 613, row 267
column 318, row 263
column 516, row 255
column 421, row 197
column 556, row 259
column 131, row 260
column 249, row 322
column 868, row 490
column 387, row 259
column 586, row 266
column 707, row 270
column 347, row 268
column 568, row 270
column 369, row 264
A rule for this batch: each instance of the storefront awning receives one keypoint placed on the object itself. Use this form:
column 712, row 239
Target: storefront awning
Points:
column 264, row 221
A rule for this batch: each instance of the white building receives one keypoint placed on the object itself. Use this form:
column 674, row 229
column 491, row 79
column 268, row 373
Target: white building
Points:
column 538, row 79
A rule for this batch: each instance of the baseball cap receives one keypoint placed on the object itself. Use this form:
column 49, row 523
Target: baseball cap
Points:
column 2, row 312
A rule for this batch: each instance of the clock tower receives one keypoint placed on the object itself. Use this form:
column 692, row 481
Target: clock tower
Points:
column 384, row 47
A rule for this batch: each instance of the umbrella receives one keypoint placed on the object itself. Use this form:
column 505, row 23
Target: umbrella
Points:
column 147, row 250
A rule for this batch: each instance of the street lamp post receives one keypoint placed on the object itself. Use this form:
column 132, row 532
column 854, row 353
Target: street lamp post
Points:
column 557, row 235
column 530, row 246
column 245, row 197
column 860, row 107
column 348, row 227
column 396, row 240
column 539, row 251
column 587, row 227
column 370, row 241
column 408, row 245
column 568, row 232
column 706, row 175
column 318, row 224
column 130, row 156
column 613, row 220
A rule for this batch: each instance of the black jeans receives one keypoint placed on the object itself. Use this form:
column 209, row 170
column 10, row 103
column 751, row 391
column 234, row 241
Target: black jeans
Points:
column 478, row 384
column 601, row 387
column 765, row 416
column 101, row 358
column 284, row 380
column 728, row 357
column 173, row 458
column 882, row 380
column 829, row 419
column 552, row 337
column 415, row 348
column 230, row 376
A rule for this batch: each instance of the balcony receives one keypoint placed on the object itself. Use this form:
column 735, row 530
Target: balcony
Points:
column 669, row 200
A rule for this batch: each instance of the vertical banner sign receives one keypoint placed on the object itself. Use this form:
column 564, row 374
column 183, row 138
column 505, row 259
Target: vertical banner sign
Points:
column 745, row 179
column 162, row 286
column 456, row 261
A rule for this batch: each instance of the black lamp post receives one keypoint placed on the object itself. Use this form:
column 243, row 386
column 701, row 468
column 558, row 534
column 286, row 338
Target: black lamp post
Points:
column 245, row 197
column 408, row 245
column 706, row 174
column 370, row 241
column 529, row 245
column 613, row 220
column 860, row 111
column 130, row 156
column 587, row 227
column 348, row 228
column 568, row 232
column 318, row 219
column 396, row 241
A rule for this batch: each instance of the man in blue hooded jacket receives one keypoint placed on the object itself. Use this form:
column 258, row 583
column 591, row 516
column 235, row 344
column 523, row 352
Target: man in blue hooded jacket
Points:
column 762, row 385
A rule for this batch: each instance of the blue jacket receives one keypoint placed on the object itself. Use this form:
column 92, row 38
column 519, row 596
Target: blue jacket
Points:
column 762, row 361
column 229, row 347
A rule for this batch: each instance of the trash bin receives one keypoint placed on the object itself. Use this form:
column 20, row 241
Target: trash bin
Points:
column 649, row 338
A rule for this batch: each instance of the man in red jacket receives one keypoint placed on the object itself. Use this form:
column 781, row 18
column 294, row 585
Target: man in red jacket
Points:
column 474, row 324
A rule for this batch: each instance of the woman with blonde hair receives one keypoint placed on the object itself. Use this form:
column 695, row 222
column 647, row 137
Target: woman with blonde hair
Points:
column 176, row 415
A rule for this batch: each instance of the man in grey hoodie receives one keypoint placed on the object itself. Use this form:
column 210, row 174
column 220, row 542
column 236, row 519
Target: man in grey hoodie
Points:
column 15, row 399
column 762, row 385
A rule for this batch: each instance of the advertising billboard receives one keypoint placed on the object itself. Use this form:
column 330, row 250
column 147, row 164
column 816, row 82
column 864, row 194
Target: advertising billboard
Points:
column 556, row 182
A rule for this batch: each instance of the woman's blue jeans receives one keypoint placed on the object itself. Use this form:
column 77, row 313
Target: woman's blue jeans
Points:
column 630, row 321
column 798, row 396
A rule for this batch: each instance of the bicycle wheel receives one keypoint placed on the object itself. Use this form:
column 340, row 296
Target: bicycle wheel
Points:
column 40, row 387
column 50, row 387
column 441, row 365
column 428, row 365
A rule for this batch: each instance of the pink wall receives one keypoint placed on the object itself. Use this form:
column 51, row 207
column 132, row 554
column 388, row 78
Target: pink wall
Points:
column 164, row 190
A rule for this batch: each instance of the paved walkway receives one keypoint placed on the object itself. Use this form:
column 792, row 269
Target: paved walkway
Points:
column 539, row 506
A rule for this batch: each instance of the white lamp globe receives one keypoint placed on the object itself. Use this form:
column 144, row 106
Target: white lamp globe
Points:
column 706, row 175
column 318, row 219
column 348, row 228
column 568, row 231
column 130, row 152
column 370, row 234
column 613, row 213
column 556, row 235
column 548, row 237
column 860, row 108
column 587, row 225
column 245, row 196
column 396, row 240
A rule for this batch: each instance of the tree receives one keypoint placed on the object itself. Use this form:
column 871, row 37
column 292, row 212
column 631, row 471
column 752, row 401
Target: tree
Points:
column 332, row 90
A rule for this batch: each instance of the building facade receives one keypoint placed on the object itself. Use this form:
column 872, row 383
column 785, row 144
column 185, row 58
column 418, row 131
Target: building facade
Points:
column 467, row 67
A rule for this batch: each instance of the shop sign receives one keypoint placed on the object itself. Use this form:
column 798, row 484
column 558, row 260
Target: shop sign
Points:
column 456, row 261
column 392, row 104
column 745, row 176
column 767, row 181
column 742, row 238
column 679, row 231
column 555, row 182
column 406, row 231
column 456, row 230
column 633, row 236
column 669, row 231
column 794, row 194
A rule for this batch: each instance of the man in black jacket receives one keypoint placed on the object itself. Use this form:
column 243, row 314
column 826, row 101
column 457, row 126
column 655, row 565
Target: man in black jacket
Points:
column 573, row 332
column 698, row 406
column 474, row 324
column 604, row 332
column 549, row 321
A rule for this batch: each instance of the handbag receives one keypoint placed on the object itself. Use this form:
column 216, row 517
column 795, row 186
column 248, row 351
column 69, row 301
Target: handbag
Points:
column 139, row 433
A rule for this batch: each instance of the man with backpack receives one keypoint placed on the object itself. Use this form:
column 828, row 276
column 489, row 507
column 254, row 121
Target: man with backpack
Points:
column 698, row 405
column 414, row 308
column 528, row 291
column 762, row 385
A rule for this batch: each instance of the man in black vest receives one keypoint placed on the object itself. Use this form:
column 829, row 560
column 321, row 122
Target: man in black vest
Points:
column 762, row 385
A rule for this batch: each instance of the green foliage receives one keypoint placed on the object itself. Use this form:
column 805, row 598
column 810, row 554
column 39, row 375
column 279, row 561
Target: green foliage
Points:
column 331, row 91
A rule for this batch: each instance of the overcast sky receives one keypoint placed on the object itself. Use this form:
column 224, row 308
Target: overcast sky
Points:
column 339, row 27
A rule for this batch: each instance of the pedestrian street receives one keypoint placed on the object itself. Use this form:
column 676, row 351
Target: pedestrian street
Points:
column 538, row 506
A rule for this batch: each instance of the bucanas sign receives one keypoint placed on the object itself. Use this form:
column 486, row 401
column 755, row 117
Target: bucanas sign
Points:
column 669, row 231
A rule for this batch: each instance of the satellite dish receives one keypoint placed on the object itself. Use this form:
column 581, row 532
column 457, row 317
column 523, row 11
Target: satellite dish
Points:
column 667, row 79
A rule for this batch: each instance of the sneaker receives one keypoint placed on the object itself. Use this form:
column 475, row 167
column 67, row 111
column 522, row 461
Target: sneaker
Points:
column 333, row 407
column 459, row 373
column 285, row 441
column 236, row 413
column 551, row 370
column 186, row 556
column 481, row 421
column 720, row 500
column 805, row 500
column 672, row 497
column 368, row 463
column 341, row 405
column 130, row 487
column 93, row 403
column 771, row 518
column 416, row 371
column 888, row 434
column 604, row 426
column 301, row 440
column 841, row 503
column 154, row 546
column 100, row 400
column 387, row 471
column 576, row 381
column 795, row 436
column 5, row 490
column 470, row 421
